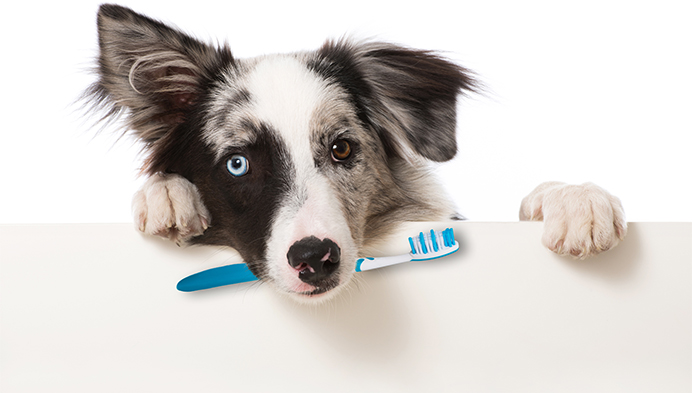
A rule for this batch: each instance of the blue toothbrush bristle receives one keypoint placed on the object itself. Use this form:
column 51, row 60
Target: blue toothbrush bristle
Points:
column 413, row 247
column 422, row 243
column 433, row 242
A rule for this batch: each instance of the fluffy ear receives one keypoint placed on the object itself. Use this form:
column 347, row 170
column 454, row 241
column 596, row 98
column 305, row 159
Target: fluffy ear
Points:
column 154, row 71
column 409, row 96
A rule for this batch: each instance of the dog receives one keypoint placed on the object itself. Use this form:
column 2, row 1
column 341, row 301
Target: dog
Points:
column 301, row 161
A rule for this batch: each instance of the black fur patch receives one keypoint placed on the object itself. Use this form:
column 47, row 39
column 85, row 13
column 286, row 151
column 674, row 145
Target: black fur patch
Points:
column 242, row 208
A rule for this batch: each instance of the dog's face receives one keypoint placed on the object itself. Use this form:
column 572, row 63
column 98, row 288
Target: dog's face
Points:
column 301, row 159
column 291, row 171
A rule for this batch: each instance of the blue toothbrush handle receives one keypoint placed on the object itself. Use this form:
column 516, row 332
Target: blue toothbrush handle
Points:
column 216, row 277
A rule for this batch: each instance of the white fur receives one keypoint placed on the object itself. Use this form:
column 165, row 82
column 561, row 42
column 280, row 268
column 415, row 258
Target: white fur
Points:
column 288, row 96
column 170, row 206
column 285, row 94
column 580, row 220
column 319, row 215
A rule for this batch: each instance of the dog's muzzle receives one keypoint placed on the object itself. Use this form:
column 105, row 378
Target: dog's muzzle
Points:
column 315, row 260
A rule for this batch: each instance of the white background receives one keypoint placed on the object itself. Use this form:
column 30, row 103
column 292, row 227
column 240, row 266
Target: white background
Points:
column 588, row 91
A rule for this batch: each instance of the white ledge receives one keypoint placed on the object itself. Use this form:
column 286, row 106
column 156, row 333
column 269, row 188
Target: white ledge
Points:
column 91, row 308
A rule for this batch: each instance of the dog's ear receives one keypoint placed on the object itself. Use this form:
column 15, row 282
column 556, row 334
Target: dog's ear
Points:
column 409, row 96
column 151, row 71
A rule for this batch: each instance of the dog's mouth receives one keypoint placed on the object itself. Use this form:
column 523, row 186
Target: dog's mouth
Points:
column 317, row 292
column 320, row 290
column 311, row 270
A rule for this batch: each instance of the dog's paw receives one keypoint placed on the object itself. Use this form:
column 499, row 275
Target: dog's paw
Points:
column 580, row 220
column 169, row 206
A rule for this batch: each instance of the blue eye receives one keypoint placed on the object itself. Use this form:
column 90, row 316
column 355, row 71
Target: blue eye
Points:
column 237, row 165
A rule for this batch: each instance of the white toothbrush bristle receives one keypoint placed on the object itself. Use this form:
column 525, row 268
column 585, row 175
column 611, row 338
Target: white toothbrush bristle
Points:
column 432, row 242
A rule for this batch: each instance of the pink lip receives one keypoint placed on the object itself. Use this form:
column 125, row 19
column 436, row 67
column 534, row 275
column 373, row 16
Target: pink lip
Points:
column 303, row 288
column 308, row 290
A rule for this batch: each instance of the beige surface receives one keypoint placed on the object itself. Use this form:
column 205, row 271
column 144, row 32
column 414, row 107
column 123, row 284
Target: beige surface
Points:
column 93, row 308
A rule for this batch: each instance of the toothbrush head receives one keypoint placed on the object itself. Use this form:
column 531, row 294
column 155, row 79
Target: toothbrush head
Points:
column 435, row 244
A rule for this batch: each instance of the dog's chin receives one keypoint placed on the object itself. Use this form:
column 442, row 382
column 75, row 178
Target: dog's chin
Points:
column 318, row 295
column 289, row 285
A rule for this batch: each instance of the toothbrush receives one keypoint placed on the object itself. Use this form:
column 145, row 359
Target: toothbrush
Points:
column 425, row 246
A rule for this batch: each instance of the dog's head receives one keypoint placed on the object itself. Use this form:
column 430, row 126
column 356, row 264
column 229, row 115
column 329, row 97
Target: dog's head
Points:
column 301, row 159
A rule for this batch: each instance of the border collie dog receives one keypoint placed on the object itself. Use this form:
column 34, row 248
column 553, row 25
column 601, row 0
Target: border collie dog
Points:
column 300, row 161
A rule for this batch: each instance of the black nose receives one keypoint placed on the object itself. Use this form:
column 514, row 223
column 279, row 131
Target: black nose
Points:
column 314, row 259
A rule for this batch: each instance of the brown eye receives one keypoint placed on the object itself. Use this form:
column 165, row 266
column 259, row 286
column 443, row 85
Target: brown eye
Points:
column 341, row 150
